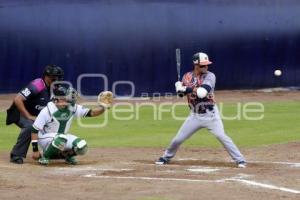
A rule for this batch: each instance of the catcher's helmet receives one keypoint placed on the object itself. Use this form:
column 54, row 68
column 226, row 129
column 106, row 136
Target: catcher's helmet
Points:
column 53, row 70
column 64, row 91
column 201, row 59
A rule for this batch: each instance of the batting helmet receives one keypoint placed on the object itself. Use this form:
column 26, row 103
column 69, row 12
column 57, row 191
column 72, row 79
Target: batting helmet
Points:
column 201, row 59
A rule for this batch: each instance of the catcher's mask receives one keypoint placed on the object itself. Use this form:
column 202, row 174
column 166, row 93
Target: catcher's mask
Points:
column 64, row 92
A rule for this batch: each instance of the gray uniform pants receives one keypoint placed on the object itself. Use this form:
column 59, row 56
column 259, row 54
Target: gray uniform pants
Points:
column 210, row 120
column 21, row 147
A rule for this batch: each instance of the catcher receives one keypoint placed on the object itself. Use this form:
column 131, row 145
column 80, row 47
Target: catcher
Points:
column 50, row 129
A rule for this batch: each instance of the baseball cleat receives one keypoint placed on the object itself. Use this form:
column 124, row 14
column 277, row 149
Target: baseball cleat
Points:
column 16, row 160
column 43, row 161
column 71, row 160
column 162, row 161
column 242, row 164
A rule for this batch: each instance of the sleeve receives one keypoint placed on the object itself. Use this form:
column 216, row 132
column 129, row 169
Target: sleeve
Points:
column 210, row 80
column 29, row 91
column 41, row 120
column 81, row 111
column 186, row 79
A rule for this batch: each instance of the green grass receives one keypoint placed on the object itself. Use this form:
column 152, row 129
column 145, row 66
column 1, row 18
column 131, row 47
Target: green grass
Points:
column 280, row 125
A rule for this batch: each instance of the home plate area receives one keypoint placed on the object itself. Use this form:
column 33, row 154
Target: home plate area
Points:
column 258, row 176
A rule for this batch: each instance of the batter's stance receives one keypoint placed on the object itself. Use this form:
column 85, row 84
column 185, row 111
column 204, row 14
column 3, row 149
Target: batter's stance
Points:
column 199, row 86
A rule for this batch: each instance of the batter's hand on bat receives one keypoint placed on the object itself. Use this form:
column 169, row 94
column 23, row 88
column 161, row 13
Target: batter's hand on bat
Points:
column 179, row 87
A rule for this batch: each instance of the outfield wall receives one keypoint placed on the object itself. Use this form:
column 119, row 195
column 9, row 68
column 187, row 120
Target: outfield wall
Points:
column 135, row 40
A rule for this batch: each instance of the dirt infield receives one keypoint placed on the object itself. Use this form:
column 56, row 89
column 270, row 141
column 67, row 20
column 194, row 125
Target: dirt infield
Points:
column 129, row 173
column 273, row 171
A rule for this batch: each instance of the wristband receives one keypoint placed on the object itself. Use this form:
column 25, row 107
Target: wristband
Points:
column 34, row 144
column 189, row 90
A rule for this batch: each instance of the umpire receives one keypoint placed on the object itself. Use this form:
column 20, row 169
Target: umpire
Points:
column 26, row 106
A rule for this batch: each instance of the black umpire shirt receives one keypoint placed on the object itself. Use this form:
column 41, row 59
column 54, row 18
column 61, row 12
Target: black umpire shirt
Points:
column 37, row 95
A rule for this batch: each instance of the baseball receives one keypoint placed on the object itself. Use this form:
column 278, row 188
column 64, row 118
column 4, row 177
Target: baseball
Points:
column 277, row 72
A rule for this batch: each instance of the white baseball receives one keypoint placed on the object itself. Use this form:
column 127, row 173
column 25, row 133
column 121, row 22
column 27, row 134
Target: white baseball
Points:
column 277, row 72
column 201, row 92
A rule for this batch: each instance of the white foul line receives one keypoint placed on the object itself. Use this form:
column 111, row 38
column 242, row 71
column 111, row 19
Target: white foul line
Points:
column 203, row 170
column 293, row 164
column 236, row 179
column 272, row 187
column 153, row 178
column 280, row 163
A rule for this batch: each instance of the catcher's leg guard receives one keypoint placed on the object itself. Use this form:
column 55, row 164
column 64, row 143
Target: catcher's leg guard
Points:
column 80, row 146
column 56, row 146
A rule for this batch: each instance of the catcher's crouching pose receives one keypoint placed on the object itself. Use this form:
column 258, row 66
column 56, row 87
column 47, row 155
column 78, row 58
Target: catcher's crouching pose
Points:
column 50, row 129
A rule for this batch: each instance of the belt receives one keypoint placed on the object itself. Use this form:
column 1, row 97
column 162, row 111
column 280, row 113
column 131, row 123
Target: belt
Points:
column 203, row 111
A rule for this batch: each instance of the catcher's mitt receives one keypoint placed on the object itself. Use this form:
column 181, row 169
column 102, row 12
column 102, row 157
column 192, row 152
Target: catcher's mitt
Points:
column 105, row 99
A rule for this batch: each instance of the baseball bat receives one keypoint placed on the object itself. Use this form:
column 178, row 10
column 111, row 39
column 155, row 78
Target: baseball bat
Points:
column 178, row 63
column 178, row 66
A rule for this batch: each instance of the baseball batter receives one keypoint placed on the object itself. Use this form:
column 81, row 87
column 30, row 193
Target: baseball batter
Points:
column 198, row 85
column 50, row 130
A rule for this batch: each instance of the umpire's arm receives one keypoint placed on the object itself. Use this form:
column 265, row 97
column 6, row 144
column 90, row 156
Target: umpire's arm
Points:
column 19, row 102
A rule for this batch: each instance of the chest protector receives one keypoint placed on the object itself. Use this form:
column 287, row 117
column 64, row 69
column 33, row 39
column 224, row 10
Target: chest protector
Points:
column 60, row 119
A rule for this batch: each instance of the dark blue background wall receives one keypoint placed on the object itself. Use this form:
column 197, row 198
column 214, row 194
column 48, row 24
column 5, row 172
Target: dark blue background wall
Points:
column 136, row 40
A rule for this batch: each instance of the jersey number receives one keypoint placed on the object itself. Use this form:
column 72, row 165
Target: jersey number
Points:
column 26, row 92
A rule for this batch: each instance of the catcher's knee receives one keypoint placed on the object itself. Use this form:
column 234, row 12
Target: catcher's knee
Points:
column 59, row 141
column 80, row 146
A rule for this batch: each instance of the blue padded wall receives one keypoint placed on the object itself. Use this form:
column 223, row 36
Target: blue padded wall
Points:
column 135, row 40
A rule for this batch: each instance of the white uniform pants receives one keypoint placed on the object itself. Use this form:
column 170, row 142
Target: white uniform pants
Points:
column 210, row 120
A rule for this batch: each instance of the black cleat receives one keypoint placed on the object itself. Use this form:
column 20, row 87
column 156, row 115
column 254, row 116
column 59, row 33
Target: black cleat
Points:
column 242, row 164
column 162, row 161
column 16, row 160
